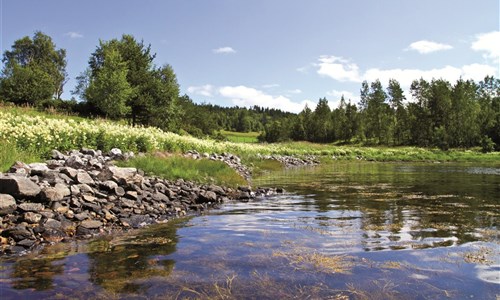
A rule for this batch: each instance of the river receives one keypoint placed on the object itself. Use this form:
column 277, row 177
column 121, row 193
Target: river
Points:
column 349, row 230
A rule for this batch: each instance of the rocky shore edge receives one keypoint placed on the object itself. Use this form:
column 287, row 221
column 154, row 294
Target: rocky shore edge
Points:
column 81, row 194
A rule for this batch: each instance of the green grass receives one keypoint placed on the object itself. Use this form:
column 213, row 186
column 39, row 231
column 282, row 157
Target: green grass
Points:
column 176, row 167
column 9, row 154
column 240, row 137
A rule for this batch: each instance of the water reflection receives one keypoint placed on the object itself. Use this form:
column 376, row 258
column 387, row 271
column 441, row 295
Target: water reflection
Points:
column 334, row 236
column 400, row 206
column 120, row 264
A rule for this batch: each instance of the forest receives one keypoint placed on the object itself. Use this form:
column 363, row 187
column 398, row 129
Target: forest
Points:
column 122, row 82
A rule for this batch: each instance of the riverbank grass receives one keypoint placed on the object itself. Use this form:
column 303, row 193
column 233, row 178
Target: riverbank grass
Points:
column 240, row 137
column 9, row 154
column 175, row 167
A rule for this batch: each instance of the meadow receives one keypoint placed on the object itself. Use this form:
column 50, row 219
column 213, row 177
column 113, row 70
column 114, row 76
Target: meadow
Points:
column 29, row 135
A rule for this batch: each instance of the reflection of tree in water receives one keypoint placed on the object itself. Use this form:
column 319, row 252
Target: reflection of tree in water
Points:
column 119, row 265
column 38, row 273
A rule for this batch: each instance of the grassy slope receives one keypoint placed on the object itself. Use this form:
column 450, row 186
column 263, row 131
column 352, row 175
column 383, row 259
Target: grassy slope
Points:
column 70, row 130
column 176, row 167
column 240, row 137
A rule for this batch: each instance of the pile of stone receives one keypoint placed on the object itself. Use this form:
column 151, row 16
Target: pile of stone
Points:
column 292, row 161
column 82, row 193
column 229, row 159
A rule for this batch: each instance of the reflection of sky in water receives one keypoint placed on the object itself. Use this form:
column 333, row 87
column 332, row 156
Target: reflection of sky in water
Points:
column 400, row 224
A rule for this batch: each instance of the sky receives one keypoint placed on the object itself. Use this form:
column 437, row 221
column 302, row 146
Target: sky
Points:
column 275, row 53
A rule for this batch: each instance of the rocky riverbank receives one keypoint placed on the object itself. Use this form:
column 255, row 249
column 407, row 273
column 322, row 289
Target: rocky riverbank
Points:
column 234, row 161
column 81, row 194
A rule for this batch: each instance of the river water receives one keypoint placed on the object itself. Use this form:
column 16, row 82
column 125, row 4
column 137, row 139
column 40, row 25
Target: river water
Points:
column 350, row 230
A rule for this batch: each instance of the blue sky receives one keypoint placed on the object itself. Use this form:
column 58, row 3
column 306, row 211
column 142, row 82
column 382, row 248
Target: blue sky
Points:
column 276, row 53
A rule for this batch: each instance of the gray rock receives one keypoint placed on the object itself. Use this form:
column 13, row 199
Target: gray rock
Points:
column 119, row 191
column 70, row 172
column 38, row 168
column 91, row 224
column 54, row 163
column 51, row 194
column 63, row 189
column 58, row 155
column 84, row 178
column 126, row 174
column 160, row 197
column 52, row 223
column 127, row 203
column 32, row 217
column 206, row 197
column 82, row 216
column 28, row 206
column 18, row 233
column 75, row 162
column 108, row 185
column 217, row 189
column 18, row 186
column 7, row 204
column 26, row 243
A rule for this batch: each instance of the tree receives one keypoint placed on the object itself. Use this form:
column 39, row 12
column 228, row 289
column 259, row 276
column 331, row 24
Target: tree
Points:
column 109, row 90
column 153, row 99
column 396, row 97
column 322, row 122
column 33, row 70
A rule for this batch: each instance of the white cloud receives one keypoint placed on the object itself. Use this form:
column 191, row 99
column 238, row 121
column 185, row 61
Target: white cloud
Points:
column 224, row 50
column 206, row 90
column 270, row 86
column 405, row 77
column 344, row 70
column 489, row 43
column 295, row 91
column 426, row 47
column 336, row 95
column 74, row 35
column 338, row 68
column 247, row 96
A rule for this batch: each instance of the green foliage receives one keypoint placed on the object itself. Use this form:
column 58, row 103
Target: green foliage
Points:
column 240, row 137
column 176, row 167
column 121, row 74
column 33, row 70
column 109, row 90
column 9, row 154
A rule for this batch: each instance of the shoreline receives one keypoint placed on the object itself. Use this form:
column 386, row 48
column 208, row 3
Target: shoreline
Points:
column 83, row 194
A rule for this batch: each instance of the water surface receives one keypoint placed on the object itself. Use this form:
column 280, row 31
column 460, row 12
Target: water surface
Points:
column 352, row 230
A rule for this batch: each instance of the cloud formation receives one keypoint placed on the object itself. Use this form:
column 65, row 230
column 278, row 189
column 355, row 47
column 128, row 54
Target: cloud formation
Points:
column 247, row 96
column 488, row 43
column 338, row 68
column 343, row 70
column 224, row 50
column 426, row 47
column 74, row 35
column 206, row 90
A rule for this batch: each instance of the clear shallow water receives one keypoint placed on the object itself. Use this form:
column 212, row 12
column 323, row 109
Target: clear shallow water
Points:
column 346, row 231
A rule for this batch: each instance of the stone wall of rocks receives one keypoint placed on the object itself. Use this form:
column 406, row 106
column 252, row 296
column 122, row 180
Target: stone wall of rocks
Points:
column 292, row 161
column 81, row 193
column 231, row 160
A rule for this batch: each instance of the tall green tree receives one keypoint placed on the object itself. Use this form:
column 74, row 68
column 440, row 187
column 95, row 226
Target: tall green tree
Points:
column 153, row 99
column 34, row 70
column 109, row 90
column 396, row 98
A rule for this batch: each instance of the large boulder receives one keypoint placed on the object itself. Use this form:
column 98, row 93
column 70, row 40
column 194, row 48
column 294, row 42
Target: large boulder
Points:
column 7, row 204
column 18, row 186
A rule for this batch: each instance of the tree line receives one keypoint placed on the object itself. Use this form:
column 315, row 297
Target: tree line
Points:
column 122, row 81
column 463, row 114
